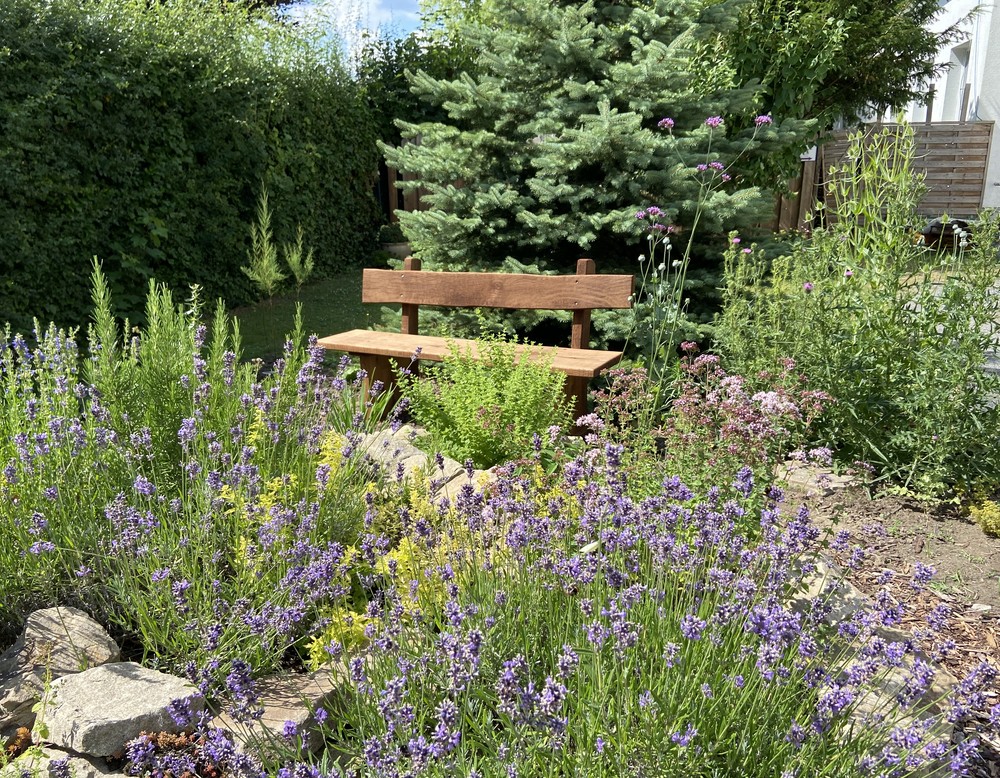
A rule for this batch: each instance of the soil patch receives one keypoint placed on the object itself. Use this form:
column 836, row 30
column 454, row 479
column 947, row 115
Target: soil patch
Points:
column 896, row 534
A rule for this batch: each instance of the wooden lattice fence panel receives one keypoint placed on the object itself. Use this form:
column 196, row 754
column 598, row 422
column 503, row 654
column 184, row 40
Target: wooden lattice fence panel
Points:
column 952, row 157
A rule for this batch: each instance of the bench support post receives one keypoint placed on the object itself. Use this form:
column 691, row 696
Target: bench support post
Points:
column 581, row 318
column 410, row 311
column 575, row 389
column 379, row 368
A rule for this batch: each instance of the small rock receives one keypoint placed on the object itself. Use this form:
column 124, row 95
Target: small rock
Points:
column 813, row 480
column 293, row 698
column 827, row 581
column 38, row 764
column 392, row 450
column 980, row 607
column 98, row 711
column 55, row 642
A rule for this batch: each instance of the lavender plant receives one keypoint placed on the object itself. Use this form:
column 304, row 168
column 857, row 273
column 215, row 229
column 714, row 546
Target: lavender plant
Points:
column 200, row 508
column 582, row 632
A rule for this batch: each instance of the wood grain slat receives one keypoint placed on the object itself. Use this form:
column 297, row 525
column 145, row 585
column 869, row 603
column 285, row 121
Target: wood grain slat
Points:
column 580, row 330
column 497, row 290
column 970, row 188
column 932, row 176
column 958, row 165
column 583, row 363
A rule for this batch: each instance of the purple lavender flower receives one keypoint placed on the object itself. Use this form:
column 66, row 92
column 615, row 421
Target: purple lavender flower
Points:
column 181, row 712
column 566, row 662
column 59, row 768
column 692, row 627
column 683, row 739
column 922, row 575
column 597, row 633
column 143, row 486
column 140, row 753
column 187, row 431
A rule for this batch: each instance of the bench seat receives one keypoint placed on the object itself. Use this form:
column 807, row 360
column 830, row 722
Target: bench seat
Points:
column 582, row 363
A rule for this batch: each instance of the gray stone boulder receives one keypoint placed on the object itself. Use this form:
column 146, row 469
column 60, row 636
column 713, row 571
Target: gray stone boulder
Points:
column 811, row 480
column 393, row 451
column 295, row 699
column 828, row 584
column 55, row 642
column 37, row 762
column 98, row 711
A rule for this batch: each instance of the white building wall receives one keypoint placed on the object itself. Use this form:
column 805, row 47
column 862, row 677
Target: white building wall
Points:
column 974, row 69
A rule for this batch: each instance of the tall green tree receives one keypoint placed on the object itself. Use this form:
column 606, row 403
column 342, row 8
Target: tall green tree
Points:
column 822, row 59
column 549, row 150
column 833, row 59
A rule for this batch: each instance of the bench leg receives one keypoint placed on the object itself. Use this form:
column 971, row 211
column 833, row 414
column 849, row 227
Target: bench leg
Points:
column 379, row 368
column 576, row 392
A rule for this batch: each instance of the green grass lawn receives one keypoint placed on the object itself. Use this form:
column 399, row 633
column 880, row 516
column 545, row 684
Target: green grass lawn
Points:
column 329, row 305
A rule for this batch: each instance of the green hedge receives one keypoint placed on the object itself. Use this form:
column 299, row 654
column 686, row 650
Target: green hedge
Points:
column 142, row 134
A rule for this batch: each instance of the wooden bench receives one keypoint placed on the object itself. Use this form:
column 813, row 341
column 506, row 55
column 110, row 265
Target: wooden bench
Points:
column 411, row 288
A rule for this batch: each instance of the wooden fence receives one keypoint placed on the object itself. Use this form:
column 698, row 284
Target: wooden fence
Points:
column 952, row 156
column 393, row 199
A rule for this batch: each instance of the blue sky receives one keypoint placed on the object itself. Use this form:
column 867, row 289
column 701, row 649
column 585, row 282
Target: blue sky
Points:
column 348, row 18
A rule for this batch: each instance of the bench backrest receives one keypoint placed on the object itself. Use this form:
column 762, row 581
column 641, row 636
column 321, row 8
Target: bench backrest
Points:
column 580, row 294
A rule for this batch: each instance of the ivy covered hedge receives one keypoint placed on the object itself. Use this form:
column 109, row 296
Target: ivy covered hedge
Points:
column 142, row 134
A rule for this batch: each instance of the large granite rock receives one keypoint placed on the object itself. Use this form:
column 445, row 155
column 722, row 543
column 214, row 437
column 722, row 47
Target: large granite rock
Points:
column 98, row 711
column 55, row 642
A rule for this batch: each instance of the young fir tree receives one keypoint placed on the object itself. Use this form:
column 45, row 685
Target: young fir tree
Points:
column 552, row 147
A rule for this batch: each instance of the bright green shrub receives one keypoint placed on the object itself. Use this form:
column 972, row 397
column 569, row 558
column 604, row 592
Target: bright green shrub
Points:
column 142, row 133
column 896, row 333
column 488, row 409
